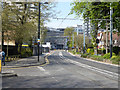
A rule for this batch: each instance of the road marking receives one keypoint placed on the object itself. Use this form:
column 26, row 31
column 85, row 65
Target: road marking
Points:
column 71, row 53
column 95, row 61
column 55, row 79
column 60, row 54
column 41, row 68
column 10, row 71
column 108, row 73
column 94, row 68
column 99, row 62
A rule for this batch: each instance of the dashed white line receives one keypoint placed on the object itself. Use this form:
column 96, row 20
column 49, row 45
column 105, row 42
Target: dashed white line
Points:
column 55, row 79
column 41, row 68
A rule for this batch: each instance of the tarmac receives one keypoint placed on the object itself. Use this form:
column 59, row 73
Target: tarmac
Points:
column 24, row 62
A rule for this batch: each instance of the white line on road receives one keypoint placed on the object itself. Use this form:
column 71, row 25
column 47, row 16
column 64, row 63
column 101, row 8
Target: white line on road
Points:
column 41, row 68
column 55, row 79
column 8, row 71
column 87, row 59
column 108, row 73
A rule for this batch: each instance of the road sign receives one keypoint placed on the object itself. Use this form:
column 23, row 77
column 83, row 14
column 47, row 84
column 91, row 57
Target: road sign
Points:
column 35, row 43
column 38, row 40
column 97, row 41
column 25, row 45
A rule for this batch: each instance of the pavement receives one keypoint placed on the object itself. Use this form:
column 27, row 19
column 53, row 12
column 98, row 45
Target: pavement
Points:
column 24, row 62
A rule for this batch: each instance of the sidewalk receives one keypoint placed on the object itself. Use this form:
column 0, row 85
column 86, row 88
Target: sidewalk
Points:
column 26, row 62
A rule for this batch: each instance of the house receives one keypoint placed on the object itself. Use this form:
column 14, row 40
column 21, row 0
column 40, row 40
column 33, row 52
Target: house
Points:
column 102, row 37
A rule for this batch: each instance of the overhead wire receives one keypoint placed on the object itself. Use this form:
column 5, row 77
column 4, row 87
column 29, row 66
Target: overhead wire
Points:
column 63, row 20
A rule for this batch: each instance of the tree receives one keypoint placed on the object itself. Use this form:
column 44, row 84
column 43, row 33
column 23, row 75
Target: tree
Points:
column 21, row 20
column 79, row 41
column 68, row 32
column 97, row 10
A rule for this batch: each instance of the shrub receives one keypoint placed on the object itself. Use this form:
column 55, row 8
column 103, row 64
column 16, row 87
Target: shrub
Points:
column 115, row 59
column 107, row 56
column 119, row 54
column 92, row 51
column 84, row 55
column 88, row 56
column 73, row 51
column 116, row 50
column 95, row 57
column 88, row 50
column 78, row 53
column 26, row 52
column 100, row 58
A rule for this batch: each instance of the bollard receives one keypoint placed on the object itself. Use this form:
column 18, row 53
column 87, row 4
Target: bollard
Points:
column 0, row 66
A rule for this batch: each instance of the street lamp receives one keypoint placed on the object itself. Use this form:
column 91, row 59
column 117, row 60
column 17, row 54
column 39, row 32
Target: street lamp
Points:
column 111, row 28
column 39, row 30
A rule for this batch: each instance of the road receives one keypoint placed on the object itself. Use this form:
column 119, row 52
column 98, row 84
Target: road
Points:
column 64, row 71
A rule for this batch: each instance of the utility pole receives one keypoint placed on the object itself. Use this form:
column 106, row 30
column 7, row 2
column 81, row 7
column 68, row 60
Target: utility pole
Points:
column 84, row 39
column 39, row 32
column 73, row 40
column 87, row 26
column 106, row 37
column 77, row 40
column 111, row 28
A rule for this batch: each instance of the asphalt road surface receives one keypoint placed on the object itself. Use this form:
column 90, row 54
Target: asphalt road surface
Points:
column 64, row 71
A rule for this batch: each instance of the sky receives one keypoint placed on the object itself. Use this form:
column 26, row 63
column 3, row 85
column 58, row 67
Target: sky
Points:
column 64, row 9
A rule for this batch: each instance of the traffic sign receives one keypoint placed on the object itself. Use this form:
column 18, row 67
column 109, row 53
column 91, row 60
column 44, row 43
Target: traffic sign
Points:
column 97, row 41
column 35, row 43
column 38, row 40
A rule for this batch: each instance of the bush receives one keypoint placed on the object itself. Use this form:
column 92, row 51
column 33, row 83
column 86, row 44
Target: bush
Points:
column 73, row 51
column 78, row 52
column 26, row 52
column 101, row 51
column 116, row 50
column 90, row 51
column 84, row 55
column 107, row 56
column 100, row 58
column 115, row 59
column 95, row 57
column 88, row 56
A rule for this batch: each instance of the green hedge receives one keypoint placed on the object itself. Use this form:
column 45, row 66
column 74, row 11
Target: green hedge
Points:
column 107, row 56
column 116, row 50
column 95, row 57
column 115, row 59
column 26, row 52
column 84, row 55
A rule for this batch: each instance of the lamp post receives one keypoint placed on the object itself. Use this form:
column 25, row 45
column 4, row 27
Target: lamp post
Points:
column 84, row 39
column 39, row 30
column 111, row 28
